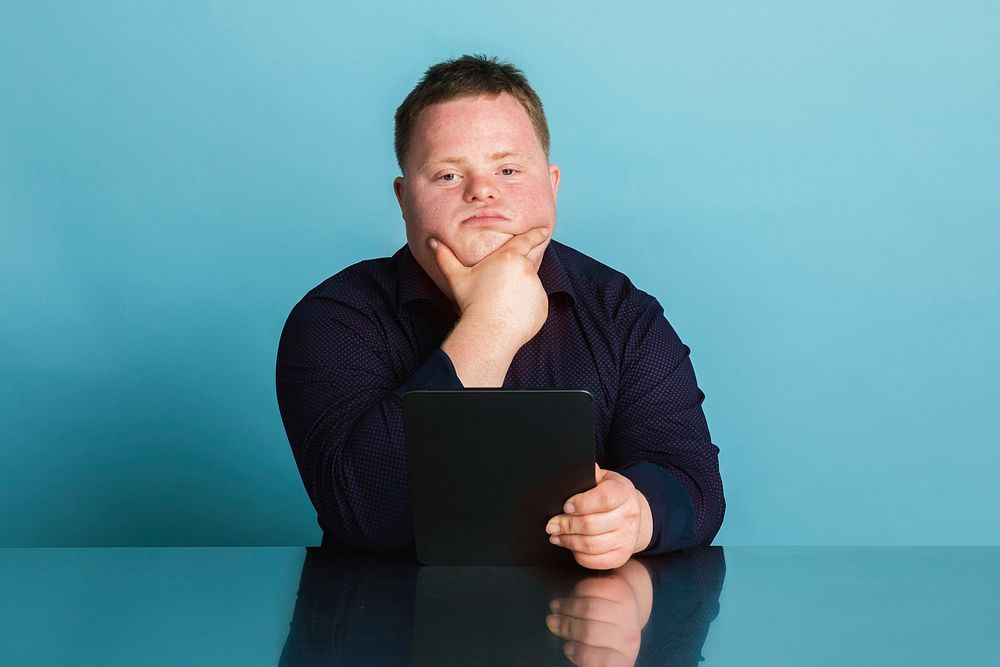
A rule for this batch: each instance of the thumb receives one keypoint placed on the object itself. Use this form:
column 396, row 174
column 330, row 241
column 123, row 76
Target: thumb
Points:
column 445, row 258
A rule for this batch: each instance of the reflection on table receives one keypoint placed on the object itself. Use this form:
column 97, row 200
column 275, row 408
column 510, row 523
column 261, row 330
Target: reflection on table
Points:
column 364, row 608
column 815, row 606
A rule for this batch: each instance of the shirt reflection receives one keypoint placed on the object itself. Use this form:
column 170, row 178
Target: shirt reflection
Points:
column 378, row 609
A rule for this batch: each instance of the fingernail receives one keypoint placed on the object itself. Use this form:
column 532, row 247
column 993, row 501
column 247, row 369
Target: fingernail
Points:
column 553, row 528
column 433, row 243
column 569, row 508
column 552, row 621
column 555, row 540
column 545, row 231
column 569, row 650
column 554, row 605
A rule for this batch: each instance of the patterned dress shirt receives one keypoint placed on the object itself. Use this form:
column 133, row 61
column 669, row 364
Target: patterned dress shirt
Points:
column 358, row 341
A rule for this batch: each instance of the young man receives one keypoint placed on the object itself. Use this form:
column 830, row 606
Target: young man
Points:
column 481, row 296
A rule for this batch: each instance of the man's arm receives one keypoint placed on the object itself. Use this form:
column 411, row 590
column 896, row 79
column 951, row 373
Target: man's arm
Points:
column 342, row 410
column 660, row 439
column 667, row 493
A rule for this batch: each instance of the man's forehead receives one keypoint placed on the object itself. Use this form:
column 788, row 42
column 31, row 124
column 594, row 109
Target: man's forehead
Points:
column 474, row 128
column 479, row 102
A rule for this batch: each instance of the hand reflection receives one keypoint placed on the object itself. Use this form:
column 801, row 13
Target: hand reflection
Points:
column 603, row 618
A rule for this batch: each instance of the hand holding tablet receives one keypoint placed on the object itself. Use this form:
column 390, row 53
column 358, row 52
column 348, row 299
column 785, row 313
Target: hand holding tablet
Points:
column 604, row 526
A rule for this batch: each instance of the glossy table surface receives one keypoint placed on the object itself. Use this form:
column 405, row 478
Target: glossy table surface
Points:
column 292, row 605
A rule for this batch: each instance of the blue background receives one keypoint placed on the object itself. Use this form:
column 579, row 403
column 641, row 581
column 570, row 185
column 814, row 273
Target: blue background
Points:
column 811, row 192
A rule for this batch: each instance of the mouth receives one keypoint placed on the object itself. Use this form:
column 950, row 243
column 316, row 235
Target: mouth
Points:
column 485, row 218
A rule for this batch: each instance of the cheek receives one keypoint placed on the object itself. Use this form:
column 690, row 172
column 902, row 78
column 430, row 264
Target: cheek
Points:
column 426, row 216
column 537, row 205
column 545, row 205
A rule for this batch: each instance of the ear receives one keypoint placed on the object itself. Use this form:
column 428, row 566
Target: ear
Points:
column 554, row 177
column 398, row 186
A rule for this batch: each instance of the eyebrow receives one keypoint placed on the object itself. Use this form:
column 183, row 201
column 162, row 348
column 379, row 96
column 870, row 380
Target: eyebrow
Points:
column 458, row 160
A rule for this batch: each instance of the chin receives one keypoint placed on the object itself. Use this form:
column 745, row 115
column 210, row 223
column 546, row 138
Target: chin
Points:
column 482, row 245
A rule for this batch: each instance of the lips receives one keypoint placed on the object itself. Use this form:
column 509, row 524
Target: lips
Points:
column 485, row 217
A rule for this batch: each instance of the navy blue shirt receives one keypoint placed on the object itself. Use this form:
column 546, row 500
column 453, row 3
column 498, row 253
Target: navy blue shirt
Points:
column 358, row 341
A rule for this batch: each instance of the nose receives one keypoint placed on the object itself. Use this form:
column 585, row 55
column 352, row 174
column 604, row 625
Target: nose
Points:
column 480, row 187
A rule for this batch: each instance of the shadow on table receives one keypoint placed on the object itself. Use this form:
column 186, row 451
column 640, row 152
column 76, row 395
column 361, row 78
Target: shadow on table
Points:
column 386, row 609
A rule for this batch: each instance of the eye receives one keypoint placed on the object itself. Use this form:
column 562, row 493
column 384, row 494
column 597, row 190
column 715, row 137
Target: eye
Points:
column 447, row 178
column 508, row 171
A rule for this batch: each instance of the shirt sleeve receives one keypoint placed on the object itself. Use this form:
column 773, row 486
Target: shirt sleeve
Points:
column 340, row 402
column 438, row 372
column 660, row 438
column 673, row 514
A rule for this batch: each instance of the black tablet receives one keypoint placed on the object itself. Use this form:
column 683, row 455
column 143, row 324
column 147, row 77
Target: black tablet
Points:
column 489, row 467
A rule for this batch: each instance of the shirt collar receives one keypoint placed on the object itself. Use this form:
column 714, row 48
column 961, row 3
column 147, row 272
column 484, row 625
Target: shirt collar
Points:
column 414, row 283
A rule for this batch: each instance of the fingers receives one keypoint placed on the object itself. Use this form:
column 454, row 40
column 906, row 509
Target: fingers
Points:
column 594, row 534
column 600, row 526
column 585, row 631
column 612, row 491
column 536, row 253
column 528, row 241
column 593, row 545
column 608, row 561
column 446, row 260
column 590, row 608
column 590, row 524
column 524, row 244
column 608, row 619
column 584, row 655
column 592, row 517
column 615, row 588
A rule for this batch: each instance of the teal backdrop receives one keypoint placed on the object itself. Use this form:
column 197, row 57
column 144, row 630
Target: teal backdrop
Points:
column 812, row 190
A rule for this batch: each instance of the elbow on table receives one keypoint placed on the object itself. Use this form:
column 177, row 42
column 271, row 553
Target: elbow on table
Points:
column 713, row 519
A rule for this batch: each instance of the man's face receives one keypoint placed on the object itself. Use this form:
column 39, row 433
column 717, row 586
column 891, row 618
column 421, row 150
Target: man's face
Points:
column 475, row 175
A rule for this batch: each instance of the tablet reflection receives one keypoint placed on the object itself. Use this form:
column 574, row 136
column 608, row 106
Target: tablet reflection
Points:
column 375, row 609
